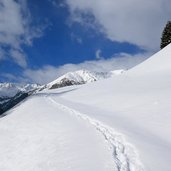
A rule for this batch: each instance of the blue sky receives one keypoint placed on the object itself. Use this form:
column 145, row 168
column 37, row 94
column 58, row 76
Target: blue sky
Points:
column 41, row 40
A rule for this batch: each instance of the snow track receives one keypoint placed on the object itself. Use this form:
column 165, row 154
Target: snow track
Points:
column 124, row 154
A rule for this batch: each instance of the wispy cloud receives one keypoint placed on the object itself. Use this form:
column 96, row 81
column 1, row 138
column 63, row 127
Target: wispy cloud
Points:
column 49, row 73
column 76, row 38
column 16, row 29
column 98, row 54
column 135, row 21
column 2, row 54
column 19, row 57
column 56, row 3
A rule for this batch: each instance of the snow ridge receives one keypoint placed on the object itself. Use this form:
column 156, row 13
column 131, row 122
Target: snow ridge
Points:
column 124, row 154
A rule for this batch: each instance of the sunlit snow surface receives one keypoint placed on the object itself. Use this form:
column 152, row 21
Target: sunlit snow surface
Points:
column 121, row 123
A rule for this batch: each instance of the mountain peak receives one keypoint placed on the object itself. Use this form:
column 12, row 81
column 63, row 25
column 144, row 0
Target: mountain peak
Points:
column 81, row 77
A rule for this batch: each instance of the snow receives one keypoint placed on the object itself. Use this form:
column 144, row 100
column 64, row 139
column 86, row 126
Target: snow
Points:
column 4, row 101
column 124, row 154
column 136, row 104
column 47, row 138
column 159, row 62
column 11, row 89
column 84, row 76
column 117, row 72
column 120, row 123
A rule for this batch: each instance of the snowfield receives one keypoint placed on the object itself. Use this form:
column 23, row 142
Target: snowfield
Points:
column 117, row 124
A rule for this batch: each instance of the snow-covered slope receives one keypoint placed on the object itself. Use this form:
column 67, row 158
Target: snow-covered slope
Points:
column 137, row 104
column 159, row 62
column 10, row 93
column 81, row 77
column 120, row 123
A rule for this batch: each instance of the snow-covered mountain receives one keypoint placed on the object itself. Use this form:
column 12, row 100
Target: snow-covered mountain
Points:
column 81, row 77
column 10, row 93
column 120, row 123
column 13, row 93
column 11, row 89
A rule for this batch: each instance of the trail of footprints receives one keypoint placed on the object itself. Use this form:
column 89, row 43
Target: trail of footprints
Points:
column 124, row 154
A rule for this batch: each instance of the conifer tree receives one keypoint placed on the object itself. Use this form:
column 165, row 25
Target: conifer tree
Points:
column 166, row 35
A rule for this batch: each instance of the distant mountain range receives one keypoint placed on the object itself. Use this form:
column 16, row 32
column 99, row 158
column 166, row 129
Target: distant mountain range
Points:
column 13, row 93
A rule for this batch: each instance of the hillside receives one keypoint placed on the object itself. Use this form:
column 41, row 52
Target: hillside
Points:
column 120, row 123
column 137, row 104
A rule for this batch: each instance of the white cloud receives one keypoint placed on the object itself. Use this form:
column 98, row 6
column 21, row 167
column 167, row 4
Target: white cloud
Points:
column 76, row 38
column 138, row 22
column 16, row 29
column 49, row 73
column 19, row 57
column 11, row 26
column 57, row 3
column 2, row 54
column 98, row 54
column 8, row 76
